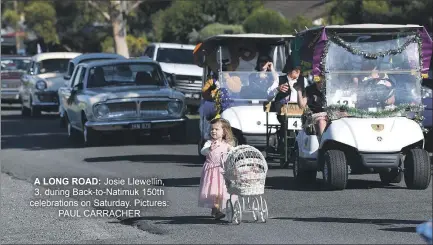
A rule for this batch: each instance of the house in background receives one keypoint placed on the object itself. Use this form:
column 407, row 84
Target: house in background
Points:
column 312, row 9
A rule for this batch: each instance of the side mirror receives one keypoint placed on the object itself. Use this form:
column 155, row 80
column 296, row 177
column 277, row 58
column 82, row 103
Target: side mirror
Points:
column 66, row 77
column 77, row 87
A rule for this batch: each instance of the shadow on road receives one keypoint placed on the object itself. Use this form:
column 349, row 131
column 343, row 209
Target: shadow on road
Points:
column 288, row 183
column 177, row 220
column 411, row 229
column 44, row 133
column 147, row 159
column 381, row 222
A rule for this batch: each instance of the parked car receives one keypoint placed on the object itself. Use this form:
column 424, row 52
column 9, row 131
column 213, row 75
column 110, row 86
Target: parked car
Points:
column 40, row 84
column 78, row 60
column 12, row 68
column 178, row 59
column 121, row 95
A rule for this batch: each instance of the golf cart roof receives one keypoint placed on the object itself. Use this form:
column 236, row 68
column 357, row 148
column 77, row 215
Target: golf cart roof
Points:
column 364, row 27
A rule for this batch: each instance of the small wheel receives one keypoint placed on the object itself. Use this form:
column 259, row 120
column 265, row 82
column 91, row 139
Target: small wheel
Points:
column 229, row 211
column 264, row 214
column 237, row 213
column 256, row 209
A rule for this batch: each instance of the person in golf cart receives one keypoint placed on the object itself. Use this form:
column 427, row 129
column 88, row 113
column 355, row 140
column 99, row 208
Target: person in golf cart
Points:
column 262, row 81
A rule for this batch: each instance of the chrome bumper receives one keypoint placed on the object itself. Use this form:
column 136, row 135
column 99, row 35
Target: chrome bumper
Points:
column 126, row 125
column 10, row 95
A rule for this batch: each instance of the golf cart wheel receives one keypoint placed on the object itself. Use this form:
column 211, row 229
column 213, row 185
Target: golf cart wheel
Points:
column 417, row 171
column 301, row 176
column 392, row 177
column 335, row 171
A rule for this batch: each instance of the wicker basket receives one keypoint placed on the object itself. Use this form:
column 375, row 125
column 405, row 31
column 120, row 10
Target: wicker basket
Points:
column 245, row 171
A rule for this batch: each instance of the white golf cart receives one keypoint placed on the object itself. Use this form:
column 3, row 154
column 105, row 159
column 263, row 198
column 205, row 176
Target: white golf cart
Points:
column 371, row 78
column 232, row 60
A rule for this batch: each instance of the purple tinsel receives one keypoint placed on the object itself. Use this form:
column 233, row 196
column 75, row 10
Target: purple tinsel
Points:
column 225, row 100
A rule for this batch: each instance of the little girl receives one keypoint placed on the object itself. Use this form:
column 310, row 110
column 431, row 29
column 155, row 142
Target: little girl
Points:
column 213, row 192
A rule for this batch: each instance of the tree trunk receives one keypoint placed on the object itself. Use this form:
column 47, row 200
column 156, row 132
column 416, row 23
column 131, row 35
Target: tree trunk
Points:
column 119, row 33
column 17, row 29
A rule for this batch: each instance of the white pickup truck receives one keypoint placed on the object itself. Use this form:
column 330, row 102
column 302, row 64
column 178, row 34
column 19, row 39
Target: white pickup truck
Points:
column 178, row 59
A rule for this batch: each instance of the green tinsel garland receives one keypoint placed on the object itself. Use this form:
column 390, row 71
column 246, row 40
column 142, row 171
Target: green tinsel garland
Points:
column 340, row 42
column 336, row 112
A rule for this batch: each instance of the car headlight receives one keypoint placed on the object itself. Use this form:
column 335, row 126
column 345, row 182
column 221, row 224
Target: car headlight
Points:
column 175, row 107
column 101, row 110
column 426, row 93
column 41, row 85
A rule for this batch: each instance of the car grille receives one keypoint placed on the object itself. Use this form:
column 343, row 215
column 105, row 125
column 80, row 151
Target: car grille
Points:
column 153, row 108
column 188, row 83
column 129, row 109
column 48, row 97
column 10, row 83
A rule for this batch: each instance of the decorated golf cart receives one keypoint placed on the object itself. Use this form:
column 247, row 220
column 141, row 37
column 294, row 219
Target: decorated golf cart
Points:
column 370, row 75
column 236, row 87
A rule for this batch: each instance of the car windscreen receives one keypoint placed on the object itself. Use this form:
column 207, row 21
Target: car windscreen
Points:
column 12, row 64
column 52, row 65
column 126, row 75
column 176, row 56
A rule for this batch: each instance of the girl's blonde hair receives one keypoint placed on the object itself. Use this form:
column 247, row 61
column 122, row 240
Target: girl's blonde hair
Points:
column 227, row 129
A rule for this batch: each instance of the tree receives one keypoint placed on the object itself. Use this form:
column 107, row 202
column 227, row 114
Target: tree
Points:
column 298, row 23
column 40, row 17
column 266, row 21
column 115, row 12
column 184, row 18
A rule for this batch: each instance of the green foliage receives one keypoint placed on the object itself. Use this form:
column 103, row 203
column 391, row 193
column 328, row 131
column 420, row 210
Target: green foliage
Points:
column 41, row 18
column 184, row 17
column 383, row 12
column 266, row 21
column 214, row 29
column 11, row 17
column 299, row 23
column 136, row 45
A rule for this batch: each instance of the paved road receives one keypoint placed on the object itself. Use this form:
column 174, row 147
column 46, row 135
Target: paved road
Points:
column 366, row 212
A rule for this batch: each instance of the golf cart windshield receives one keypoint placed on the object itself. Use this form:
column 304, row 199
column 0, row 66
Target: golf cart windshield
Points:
column 373, row 83
column 247, row 88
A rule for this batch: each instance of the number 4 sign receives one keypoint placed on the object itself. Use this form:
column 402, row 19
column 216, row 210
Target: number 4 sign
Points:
column 294, row 124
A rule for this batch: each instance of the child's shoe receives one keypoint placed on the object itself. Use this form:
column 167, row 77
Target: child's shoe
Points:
column 214, row 212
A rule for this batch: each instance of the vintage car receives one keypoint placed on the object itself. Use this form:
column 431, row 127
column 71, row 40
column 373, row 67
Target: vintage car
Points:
column 12, row 68
column 82, row 59
column 121, row 95
column 89, row 58
column 38, row 91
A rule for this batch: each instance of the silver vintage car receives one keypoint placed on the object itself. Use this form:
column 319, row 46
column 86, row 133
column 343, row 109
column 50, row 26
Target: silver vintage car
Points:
column 40, row 84
column 121, row 95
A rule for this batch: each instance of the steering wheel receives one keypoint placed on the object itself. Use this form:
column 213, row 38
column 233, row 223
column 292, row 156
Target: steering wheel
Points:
column 379, row 93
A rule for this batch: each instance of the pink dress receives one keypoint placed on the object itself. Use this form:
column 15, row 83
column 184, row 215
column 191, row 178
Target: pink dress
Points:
column 213, row 191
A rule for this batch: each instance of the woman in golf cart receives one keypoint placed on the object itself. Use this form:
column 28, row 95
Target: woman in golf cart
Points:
column 377, row 89
column 262, row 82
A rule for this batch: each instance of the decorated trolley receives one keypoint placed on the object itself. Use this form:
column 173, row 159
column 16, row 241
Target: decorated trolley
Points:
column 245, row 172
column 231, row 89
column 370, row 76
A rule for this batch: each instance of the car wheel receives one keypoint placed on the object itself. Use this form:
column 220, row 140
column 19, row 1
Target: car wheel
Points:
column 417, row 170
